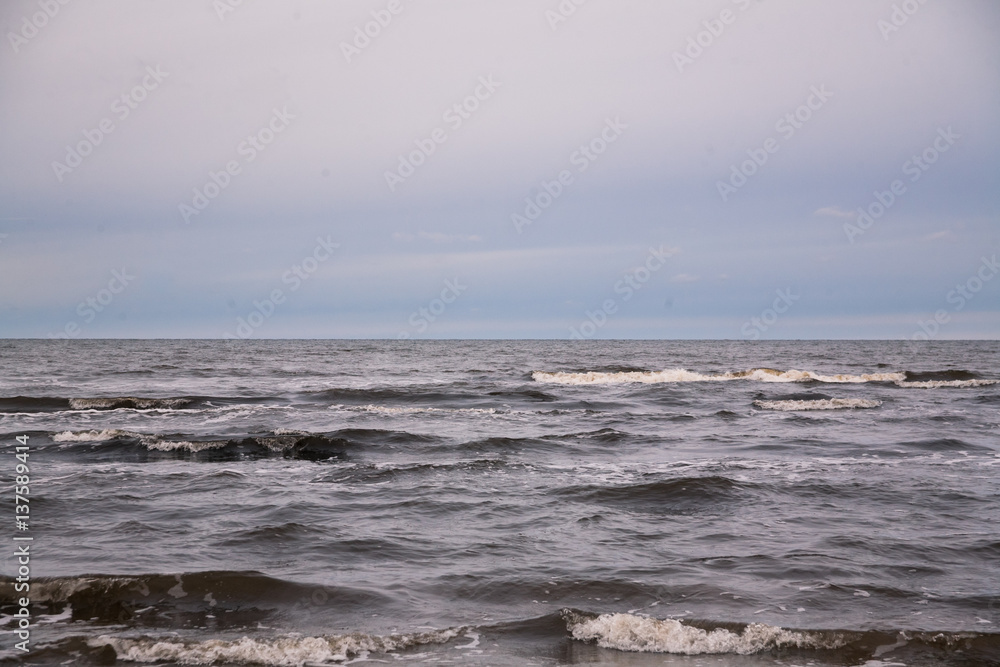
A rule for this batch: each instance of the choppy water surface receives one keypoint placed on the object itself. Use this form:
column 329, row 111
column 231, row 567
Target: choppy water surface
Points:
column 509, row 503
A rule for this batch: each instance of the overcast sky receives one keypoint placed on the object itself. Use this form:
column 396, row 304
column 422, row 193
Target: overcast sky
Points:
column 515, row 168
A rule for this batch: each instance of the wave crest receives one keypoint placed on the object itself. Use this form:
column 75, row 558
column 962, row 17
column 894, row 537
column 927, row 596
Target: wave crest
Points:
column 627, row 632
column 281, row 651
column 152, row 442
column 390, row 410
column 117, row 402
column 677, row 375
column 288, row 443
column 818, row 404
column 934, row 384
column 94, row 435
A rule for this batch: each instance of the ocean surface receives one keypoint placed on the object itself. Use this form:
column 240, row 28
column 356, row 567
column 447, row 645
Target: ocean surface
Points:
column 505, row 502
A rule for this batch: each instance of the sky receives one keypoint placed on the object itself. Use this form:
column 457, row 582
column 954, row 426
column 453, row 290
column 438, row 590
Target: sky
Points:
column 737, row 169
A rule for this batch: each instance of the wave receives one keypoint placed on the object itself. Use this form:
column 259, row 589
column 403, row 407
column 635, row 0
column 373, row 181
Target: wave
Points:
column 384, row 400
column 390, row 410
column 951, row 374
column 632, row 633
column 934, row 384
column 147, row 602
column 281, row 442
column 627, row 632
column 232, row 597
column 818, row 404
column 944, row 445
column 161, row 443
column 370, row 473
column 676, row 495
column 31, row 404
column 288, row 650
column 421, row 395
column 905, row 379
column 128, row 402
column 679, row 375
column 93, row 435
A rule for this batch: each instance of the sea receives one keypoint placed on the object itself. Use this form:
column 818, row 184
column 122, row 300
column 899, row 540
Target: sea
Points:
column 524, row 502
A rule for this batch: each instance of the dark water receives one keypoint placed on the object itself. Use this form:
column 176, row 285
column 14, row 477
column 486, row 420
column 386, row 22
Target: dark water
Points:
column 507, row 503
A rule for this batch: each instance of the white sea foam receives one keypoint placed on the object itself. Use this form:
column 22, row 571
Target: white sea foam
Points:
column 175, row 445
column 934, row 384
column 818, row 404
column 390, row 410
column 280, row 652
column 93, row 435
column 677, row 375
column 627, row 632
column 149, row 441
column 65, row 615
column 127, row 402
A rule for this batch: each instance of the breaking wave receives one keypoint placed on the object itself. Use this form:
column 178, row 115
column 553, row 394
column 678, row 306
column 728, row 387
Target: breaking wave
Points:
column 281, row 651
column 681, row 375
column 163, row 444
column 818, row 404
column 32, row 404
column 128, row 402
column 390, row 410
column 93, row 435
column 627, row 632
column 281, row 442
column 934, row 384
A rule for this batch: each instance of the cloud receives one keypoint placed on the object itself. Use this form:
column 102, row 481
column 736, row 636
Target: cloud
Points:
column 684, row 278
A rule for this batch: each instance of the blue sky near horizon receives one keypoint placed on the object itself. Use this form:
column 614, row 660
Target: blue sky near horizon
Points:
column 308, row 237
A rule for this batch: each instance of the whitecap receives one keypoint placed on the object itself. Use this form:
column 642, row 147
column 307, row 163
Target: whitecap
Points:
column 93, row 435
column 627, row 632
column 287, row 651
column 819, row 404
column 678, row 375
